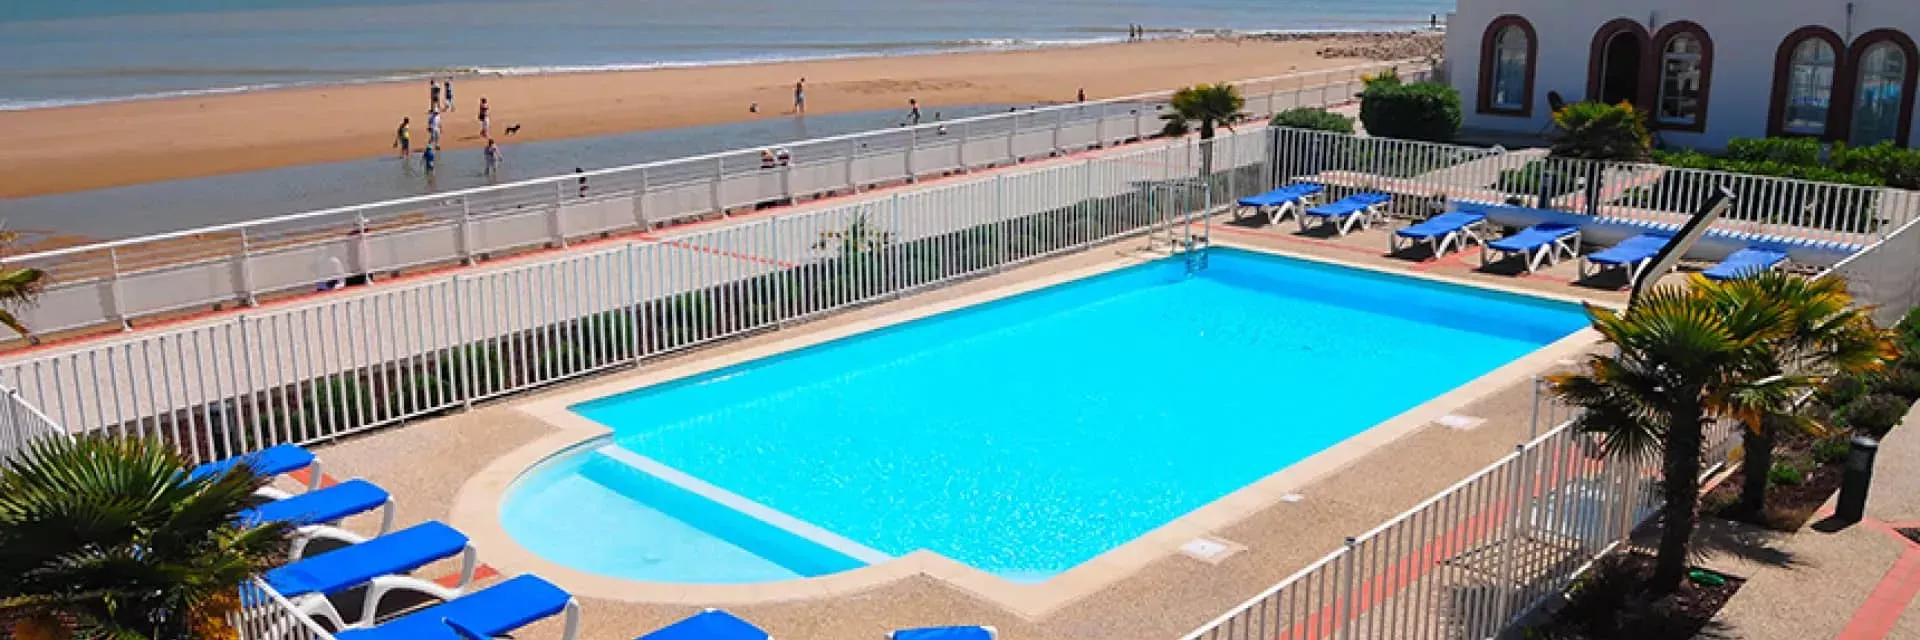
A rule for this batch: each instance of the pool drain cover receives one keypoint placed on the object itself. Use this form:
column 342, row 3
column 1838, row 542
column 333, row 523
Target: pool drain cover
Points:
column 1209, row 550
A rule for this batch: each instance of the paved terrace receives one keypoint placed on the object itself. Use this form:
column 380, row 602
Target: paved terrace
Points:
column 426, row 463
column 1852, row 583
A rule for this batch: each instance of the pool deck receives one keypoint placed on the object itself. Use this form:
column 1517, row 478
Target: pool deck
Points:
column 1157, row 595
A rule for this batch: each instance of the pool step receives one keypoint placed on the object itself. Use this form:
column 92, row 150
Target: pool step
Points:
column 797, row 544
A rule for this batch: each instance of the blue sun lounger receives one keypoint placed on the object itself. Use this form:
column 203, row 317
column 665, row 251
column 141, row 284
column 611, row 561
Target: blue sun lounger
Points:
column 1360, row 208
column 712, row 624
column 382, row 564
column 1633, row 254
column 1539, row 245
column 271, row 461
column 1745, row 262
column 945, row 633
column 1279, row 202
column 1451, row 229
column 486, row 613
column 313, row 513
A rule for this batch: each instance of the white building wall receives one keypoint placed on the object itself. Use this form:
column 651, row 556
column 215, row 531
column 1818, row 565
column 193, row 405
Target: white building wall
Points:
column 1746, row 36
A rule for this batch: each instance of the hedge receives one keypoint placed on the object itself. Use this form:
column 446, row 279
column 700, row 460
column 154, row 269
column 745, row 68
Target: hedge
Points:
column 1421, row 111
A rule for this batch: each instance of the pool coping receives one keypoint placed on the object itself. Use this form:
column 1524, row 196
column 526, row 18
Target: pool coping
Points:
column 477, row 505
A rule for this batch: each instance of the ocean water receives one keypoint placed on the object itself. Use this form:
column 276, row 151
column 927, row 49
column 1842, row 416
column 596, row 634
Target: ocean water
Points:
column 56, row 52
column 1026, row 436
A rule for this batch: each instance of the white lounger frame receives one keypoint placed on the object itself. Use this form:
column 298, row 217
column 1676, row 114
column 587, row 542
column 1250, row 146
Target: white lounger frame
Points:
column 1635, row 269
column 1279, row 212
column 1458, row 239
column 1543, row 256
column 1365, row 218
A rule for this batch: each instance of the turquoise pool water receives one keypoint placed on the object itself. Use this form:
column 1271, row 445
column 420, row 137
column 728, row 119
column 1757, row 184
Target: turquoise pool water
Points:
column 1021, row 437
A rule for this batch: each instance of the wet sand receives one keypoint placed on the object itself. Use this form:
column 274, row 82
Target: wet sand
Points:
column 88, row 147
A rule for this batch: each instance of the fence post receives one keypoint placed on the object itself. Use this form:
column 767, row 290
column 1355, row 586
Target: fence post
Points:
column 1522, row 496
column 113, row 290
column 640, row 203
column 1093, row 211
column 1099, row 125
column 246, row 270
column 1343, row 604
column 913, row 139
column 466, row 232
column 960, row 153
column 361, row 262
column 853, row 152
column 467, row 352
column 1000, row 217
column 1059, row 122
column 719, row 176
column 556, row 226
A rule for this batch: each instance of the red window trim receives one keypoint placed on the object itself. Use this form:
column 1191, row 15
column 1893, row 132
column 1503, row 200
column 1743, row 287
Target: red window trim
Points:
column 1596, row 57
column 1783, row 65
column 1654, row 66
column 1846, row 86
column 1487, row 44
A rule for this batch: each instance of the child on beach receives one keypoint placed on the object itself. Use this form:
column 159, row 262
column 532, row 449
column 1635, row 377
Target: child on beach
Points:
column 483, row 117
column 800, row 96
column 433, row 95
column 433, row 128
column 401, row 140
column 427, row 156
column 583, row 180
column 492, row 155
column 448, row 85
column 913, row 111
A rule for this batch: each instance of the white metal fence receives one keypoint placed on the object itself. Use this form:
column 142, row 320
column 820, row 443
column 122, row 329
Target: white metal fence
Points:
column 21, row 423
column 116, row 283
column 1819, row 217
column 1470, row 560
column 376, row 356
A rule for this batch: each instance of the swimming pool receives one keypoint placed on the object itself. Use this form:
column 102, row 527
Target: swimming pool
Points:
column 1022, row 436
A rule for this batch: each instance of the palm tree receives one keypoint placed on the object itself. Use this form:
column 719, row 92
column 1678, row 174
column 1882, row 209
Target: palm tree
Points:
column 18, row 288
column 1823, row 334
column 1679, row 356
column 115, row 537
column 1210, row 105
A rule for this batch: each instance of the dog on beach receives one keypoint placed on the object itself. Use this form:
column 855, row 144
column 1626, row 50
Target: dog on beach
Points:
column 513, row 129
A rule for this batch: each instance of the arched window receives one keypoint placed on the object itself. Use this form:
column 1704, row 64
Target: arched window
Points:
column 1506, row 66
column 1805, row 82
column 1879, row 93
column 1680, row 85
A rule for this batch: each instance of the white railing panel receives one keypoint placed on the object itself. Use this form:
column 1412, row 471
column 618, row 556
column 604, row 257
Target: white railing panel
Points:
column 413, row 246
column 184, row 285
column 597, row 216
column 499, row 232
column 300, row 266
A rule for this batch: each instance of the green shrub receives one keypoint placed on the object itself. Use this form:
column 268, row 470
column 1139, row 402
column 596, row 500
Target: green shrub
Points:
column 1314, row 119
column 1906, row 334
column 1530, row 178
column 1785, row 474
column 1901, row 380
column 1420, row 111
column 1875, row 414
column 1831, row 450
column 1893, row 166
column 1803, row 152
column 1842, row 390
column 1599, row 131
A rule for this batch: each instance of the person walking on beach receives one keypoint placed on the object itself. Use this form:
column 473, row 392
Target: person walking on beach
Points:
column 403, row 141
column 433, row 95
column 492, row 155
column 913, row 111
column 448, row 85
column 483, row 117
column 433, row 128
column 800, row 96
column 1082, row 95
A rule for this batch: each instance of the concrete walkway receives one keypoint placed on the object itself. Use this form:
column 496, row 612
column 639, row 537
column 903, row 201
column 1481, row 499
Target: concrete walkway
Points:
column 1857, row 582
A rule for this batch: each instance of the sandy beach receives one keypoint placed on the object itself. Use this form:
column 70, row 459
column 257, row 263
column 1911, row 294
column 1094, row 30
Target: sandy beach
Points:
column 89, row 147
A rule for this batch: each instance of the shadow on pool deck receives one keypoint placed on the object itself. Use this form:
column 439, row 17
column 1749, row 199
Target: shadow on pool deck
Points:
column 425, row 463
